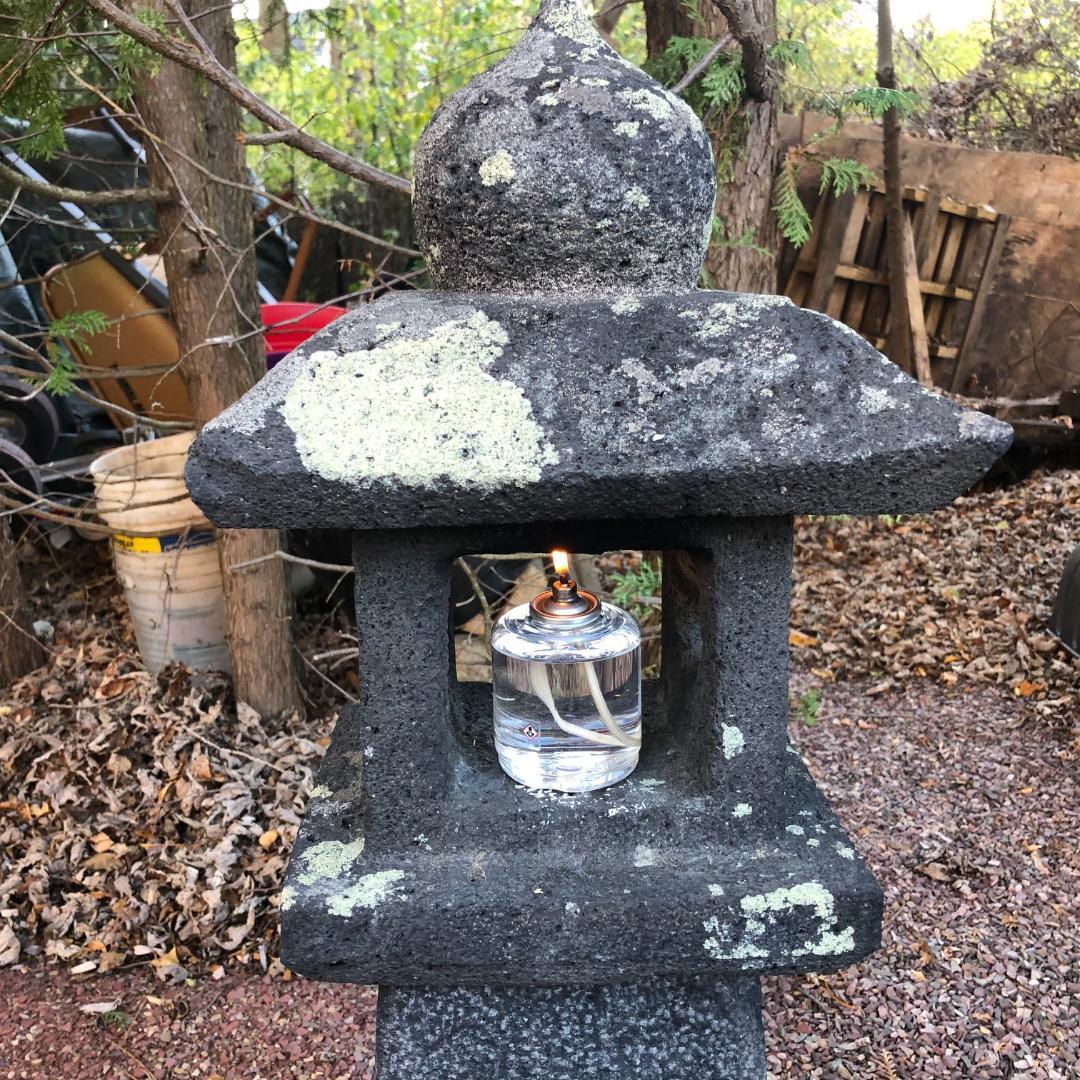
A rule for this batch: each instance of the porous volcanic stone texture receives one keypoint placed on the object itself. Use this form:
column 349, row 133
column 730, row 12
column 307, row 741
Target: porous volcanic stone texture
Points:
column 444, row 409
column 564, row 167
column 700, row 1028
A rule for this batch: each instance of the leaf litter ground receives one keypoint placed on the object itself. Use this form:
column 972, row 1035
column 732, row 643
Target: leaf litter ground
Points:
column 145, row 825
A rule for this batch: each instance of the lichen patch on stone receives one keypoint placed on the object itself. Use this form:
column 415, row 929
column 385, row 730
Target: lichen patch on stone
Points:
column 570, row 19
column 497, row 169
column 329, row 859
column 628, row 129
column 648, row 385
column 626, row 305
column 808, row 894
column 812, row 894
column 742, row 810
column 718, row 947
column 636, row 198
column 733, row 741
column 370, row 891
column 644, row 856
column 657, row 106
column 415, row 410
column 873, row 399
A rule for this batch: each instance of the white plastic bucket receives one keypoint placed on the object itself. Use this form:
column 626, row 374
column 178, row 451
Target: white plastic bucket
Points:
column 165, row 553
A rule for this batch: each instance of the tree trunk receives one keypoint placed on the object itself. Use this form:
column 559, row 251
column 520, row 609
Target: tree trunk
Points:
column 744, row 195
column 209, row 258
column 899, row 342
column 20, row 651
column 274, row 23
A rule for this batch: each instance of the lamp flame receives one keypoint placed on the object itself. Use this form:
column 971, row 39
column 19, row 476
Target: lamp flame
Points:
column 560, row 560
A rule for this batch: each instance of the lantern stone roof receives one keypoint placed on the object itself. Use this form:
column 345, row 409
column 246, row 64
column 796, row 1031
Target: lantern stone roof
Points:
column 445, row 409
column 567, row 367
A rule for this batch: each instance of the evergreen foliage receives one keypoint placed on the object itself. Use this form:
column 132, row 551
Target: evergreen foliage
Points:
column 77, row 327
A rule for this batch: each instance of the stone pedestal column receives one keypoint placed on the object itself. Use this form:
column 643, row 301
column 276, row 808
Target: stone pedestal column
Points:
column 663, row 1029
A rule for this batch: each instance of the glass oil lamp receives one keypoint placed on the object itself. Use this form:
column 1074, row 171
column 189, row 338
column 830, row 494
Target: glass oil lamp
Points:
column 566, row 678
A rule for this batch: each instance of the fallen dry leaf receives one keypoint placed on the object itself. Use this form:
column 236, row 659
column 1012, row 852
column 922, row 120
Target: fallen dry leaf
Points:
column 98, row 1007
column 934, row 871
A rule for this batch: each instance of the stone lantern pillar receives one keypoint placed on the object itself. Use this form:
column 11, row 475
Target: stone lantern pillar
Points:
column 567, row 385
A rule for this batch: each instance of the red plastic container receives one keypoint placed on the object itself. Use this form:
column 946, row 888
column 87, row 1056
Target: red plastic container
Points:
column 290, row 324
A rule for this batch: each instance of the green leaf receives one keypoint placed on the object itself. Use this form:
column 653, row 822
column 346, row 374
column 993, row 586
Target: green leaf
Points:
column 844, row 175
column 77, row 327
column 791, row 215
column 791, row 53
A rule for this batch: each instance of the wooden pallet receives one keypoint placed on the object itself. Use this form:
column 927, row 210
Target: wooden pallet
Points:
column 843, row 271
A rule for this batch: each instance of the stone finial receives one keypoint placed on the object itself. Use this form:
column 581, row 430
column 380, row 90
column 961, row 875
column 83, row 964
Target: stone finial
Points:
column 564, row 167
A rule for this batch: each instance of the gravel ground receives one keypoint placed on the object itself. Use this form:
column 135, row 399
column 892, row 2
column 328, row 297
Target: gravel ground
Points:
column 964, row 805
column 239, row 1026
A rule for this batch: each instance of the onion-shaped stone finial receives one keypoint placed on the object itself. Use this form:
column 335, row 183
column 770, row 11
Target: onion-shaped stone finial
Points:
column 564, row 167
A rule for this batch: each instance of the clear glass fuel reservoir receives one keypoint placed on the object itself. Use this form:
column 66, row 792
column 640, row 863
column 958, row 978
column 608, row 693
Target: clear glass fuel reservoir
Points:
column 566, row 677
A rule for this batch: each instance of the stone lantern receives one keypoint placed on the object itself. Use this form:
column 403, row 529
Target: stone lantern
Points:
column 568, row 385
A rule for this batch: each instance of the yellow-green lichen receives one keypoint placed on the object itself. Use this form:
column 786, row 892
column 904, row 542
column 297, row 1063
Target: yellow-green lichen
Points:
column 572, row 20
column 657, row 106
column 497, row 169
column 417, row 410
column 733, row 741
column 370, row 891
column 329, row 859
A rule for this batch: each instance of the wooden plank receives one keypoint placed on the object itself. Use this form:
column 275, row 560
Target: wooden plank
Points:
column 929, row 229
column 968, row 273
column 946, row 265
column 802, row 273
column 966, row 360
column 977, row 211
column 828, row 254
column 877, row 277
column 866, row 256
column 920, row 349
column 849, row 245
column 968, row 210
column 937, row 352
column 876, row 318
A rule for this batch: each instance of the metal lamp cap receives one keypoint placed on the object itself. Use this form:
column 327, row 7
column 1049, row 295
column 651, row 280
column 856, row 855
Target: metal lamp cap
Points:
column 564, row 606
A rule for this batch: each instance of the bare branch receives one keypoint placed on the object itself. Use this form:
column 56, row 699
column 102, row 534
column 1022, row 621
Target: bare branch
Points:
column 702, row 65
column 338, row 568
column 201, row 60
column 83, row 198
column 260, row 138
